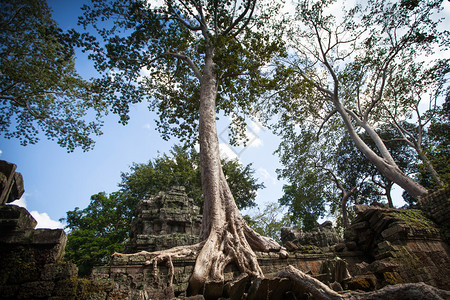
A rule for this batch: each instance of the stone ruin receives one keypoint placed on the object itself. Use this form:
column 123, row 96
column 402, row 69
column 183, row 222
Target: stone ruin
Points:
column 11, row 183
column 323, row 236
column 165, row 220
column 381, row 247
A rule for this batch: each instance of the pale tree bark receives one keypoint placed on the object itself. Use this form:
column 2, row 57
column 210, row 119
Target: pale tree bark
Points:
column 227, row 239
column 385, row 163
column 345, row 194
column 415, row 140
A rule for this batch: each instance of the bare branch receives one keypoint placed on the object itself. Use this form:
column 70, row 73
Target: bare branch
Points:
column 324, row 121
column 251, row 4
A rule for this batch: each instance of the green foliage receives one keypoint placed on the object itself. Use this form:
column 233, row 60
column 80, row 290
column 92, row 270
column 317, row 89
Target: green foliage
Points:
column 156, row 52
column 304, row 203
column 40, row 90
column 96, row 231
column 438, row 150
column 103, row 227
column 182, row 167
column 268, row 222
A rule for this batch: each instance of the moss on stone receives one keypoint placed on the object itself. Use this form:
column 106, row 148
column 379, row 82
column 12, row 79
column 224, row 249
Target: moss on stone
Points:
column 392, row 278
column 413, row 218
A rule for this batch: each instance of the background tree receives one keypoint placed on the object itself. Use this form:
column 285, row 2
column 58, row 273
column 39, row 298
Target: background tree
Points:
column 324, row 174
column 270, row 220
column 97, row 231
column 359, row 69
column 40, row 90
column 103, row 227
column 438, row 147
column 200, row 57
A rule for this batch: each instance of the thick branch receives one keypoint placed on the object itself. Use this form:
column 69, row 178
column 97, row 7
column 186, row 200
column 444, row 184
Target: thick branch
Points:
column 251, row 4
column 189, row 61
column 320, row 291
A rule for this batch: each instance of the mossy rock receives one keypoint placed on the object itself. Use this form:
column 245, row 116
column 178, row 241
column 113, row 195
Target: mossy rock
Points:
column 392, row 278
column 413, row 218
column 361, row 282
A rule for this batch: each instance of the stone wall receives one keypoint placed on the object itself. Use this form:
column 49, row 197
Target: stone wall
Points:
column 382, row 247
column 400, row 245
column 436, row 206
column 136, row 277
column 31, row 265
column 165, row 220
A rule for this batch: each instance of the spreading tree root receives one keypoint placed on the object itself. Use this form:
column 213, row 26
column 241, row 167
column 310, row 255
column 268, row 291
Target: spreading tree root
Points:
column 166, row 256
column 320, row 291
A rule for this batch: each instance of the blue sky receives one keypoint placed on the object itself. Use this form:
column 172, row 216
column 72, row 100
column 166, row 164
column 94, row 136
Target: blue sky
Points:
column 56, row 181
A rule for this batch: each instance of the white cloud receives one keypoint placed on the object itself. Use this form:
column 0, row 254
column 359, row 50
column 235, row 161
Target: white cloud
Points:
column 265, row 175
column 226, row 152
column 255, row 126
column 253, row 140
column 148, row 126
column 43, row 219
column 1, row 152
column 21, row 202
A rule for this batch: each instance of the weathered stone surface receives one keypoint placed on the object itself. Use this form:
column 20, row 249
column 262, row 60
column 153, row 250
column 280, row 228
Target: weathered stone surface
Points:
column 163, row 221
column 403, row 245
column 11, row 183
column 436, row 205
column 36, row 289
column 236, row 289
column 15, row 217
column 58, row 271
column 322, row 236
column 213, row 290
column 361, row 282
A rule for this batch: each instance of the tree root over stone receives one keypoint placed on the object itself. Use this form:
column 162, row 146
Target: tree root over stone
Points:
column 410, row 291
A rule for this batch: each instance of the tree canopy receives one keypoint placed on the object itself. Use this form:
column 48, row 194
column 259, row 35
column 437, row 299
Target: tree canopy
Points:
column 40, row 90
column 366, row 68
column 156, row 53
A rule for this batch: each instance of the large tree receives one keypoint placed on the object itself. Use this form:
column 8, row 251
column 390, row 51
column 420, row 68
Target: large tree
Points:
column 192, row 59
column 103, row 226
column 40, row 90
column 365, row 68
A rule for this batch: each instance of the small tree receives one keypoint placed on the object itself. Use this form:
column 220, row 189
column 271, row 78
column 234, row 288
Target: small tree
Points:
column 96, row 231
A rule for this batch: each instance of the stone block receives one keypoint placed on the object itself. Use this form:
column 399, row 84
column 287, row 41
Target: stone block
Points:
column 9, row 291
column 13, row 217
column 59, row 271
column 213, row 290
column 236, row 289
column 361, row 282
column 395, row 231
column 66, row 288
column 36, row 289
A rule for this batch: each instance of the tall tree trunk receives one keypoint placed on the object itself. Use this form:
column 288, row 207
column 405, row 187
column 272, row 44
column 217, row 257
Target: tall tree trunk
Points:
column 345, row 196
column 386, row 166
column 227, row 238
